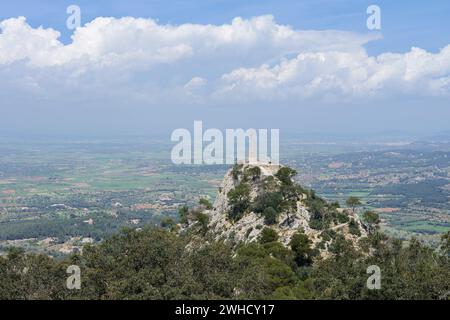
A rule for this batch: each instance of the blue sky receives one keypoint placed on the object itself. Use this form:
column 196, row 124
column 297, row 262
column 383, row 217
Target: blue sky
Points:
column 302, row 66
column 405, row 23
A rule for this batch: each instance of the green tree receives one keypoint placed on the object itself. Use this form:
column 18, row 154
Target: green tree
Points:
column 252, row 173
column 268, row 199
column 148, row 264
column 183, row 214
column 268, row 235
column 215, row 270
column 285, row 175
column 301, row 246
column 236, row 171
column 203, row 220
column 167, row 223
column 372, row 219
column 353, row 227
column 28, row 276
column 239, row 200
column 270, row 216
column 352, row 202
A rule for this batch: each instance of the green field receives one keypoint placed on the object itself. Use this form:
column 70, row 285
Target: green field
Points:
column 53, row 189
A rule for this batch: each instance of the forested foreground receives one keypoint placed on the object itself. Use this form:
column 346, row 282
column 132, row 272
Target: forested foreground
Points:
column 156, row 263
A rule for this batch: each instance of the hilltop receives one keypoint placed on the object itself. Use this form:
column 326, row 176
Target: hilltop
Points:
column 255, row 197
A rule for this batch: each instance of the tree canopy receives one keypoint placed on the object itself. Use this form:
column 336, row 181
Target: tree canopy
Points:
column 155, row 263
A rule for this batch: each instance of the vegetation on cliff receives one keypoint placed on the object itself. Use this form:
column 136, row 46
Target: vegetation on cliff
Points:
column 155, row 263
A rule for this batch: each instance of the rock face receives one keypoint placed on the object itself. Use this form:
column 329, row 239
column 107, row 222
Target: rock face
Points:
column 261, row 181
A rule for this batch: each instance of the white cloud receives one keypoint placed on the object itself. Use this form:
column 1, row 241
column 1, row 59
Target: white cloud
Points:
column 346, row 74
column 107, row 41
column 131, row 59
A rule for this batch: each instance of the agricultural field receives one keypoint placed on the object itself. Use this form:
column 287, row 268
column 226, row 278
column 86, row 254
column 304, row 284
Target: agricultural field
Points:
column 56, row 196
column 408, row 186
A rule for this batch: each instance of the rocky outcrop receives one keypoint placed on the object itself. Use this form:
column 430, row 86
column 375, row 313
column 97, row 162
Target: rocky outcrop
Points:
column 252, row 184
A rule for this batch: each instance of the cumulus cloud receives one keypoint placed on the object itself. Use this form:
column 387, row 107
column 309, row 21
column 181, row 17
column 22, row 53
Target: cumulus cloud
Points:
column 347, row 74
column 108, row 40
column 135, row 59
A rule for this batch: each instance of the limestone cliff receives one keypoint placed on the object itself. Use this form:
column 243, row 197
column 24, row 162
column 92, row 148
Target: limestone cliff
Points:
column 255, row 196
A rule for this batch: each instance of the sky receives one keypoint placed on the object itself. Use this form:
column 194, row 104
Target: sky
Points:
column 141, row 67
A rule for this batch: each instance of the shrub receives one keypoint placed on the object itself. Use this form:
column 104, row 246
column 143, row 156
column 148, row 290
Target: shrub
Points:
column 252, row 173
column 353, row 228
column 239, row 200
column 342, row 217
column 328, row 235
column 270, row 215
column 236, row 171
column 316, row 224
column 285, row 175
column 335, row 205
column 372, row 219
column 168, row 223
column 268, row 235
column 301, row 246
column 270, row 184
column 183, row 213
column 206, row 203
column 268, row 199
column 203, row 220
